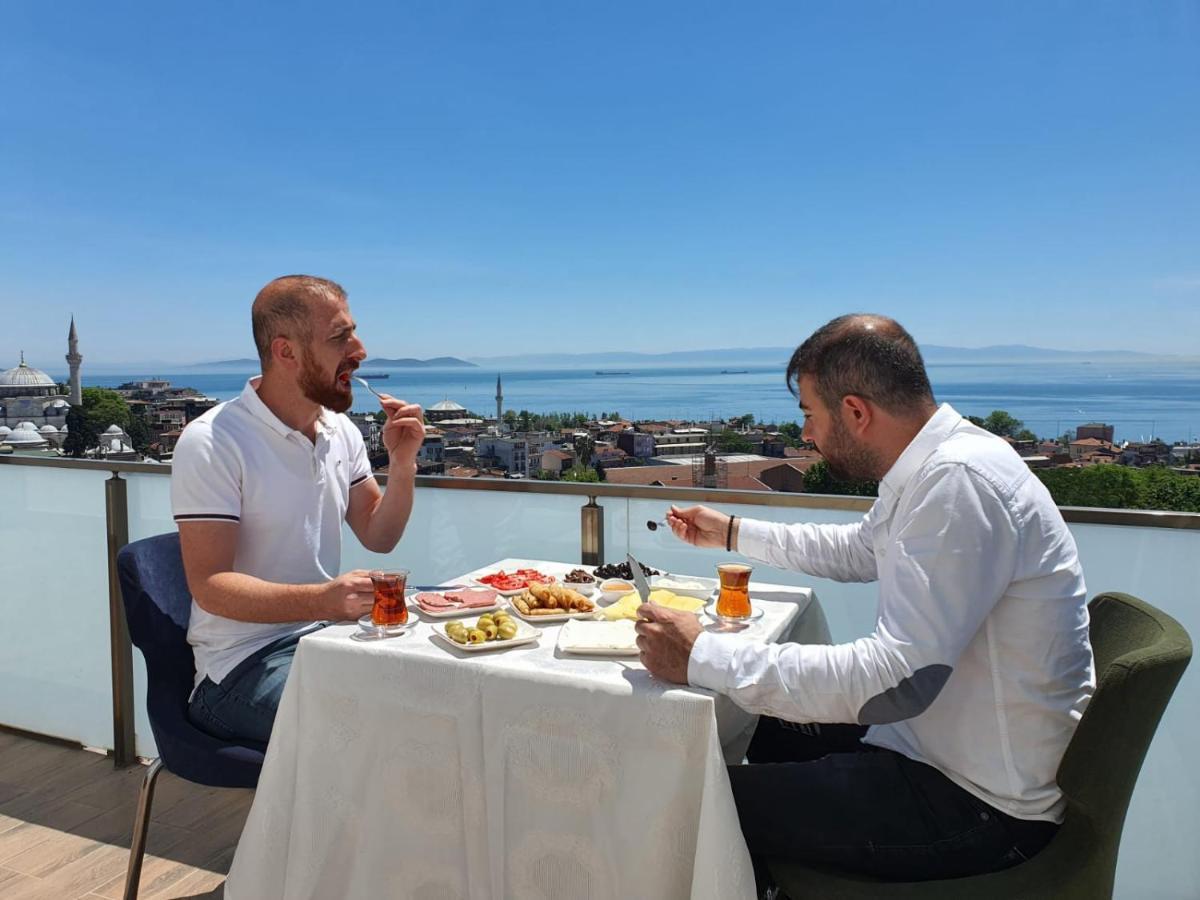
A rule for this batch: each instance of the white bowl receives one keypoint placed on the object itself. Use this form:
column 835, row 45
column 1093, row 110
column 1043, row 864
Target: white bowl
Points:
column 587, row 588
column 615, row 595
column 703, row 592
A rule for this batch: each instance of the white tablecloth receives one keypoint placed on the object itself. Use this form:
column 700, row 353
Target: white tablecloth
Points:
column 400, row 768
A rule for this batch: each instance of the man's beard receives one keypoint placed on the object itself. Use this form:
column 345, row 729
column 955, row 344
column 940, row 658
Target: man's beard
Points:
column 848, row 461
column 328, row 392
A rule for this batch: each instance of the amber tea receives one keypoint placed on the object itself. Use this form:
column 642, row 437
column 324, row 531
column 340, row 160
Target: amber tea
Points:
column 734, row 600
column 389, row 608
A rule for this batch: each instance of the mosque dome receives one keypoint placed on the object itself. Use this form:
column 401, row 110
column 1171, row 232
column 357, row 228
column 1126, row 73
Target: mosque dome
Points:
column 25, row 435
column 447, row 406
column 25, row 375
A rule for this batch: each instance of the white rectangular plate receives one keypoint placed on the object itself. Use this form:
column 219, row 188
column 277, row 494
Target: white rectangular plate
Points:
column 526, row 634
column 454, row 612
column 550, row 619
column 599, row 638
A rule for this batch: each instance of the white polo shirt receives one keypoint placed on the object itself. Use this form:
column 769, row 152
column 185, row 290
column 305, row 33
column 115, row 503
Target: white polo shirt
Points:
column 239, row 463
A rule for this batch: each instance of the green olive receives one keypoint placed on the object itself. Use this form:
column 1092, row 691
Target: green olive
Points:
column 490, row 630
column 475, row 636
column 508, row 631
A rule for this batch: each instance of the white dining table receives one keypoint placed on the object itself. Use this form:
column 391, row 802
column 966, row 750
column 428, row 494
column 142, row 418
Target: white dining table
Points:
column 405, row 768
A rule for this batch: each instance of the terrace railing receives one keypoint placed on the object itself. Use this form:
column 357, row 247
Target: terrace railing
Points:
column 67, row 669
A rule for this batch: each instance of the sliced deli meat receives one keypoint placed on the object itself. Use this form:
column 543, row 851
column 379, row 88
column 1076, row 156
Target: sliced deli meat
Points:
column 473, row 598
column 432, row 600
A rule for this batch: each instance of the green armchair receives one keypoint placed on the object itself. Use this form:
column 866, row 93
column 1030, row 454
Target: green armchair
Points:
column 1140, row 653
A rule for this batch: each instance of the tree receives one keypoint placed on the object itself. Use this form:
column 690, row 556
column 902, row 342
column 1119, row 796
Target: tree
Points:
column 1026, row 435
column 524, row 421
column 1160, row 488
column 1109, row 486
column 585, row 449
column 819, row 480
column 139, row 433
column 792, row 432
column 579, row 472
column 81, row 434
column 1001, row 423
column 730, row 441
column 104, row 408
column 976, row 421
column 510, row 418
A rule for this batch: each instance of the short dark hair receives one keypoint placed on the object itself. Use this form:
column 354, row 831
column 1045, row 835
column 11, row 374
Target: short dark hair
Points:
column 866, row 355
column 284, row 309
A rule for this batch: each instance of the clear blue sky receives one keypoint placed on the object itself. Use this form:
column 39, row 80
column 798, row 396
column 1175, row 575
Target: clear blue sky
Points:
column 485, row 178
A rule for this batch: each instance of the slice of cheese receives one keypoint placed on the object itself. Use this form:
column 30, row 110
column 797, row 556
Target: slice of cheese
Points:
column 626, row 607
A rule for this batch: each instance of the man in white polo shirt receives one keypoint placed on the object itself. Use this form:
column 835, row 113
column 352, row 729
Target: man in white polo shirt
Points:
column 260, row 488
column 927, row 749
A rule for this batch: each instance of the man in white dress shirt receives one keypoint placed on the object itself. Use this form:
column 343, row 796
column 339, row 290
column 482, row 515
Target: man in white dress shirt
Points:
column 927, row 749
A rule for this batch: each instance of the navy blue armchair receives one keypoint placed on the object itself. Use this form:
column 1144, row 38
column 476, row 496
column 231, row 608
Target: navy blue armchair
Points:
column 157, row 607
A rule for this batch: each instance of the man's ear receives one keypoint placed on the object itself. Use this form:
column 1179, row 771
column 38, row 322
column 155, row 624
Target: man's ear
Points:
column 283, row 353
column 857, row 414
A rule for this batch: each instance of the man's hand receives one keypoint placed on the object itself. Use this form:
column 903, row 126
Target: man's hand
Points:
column 405, row 430
column 700, row 525
column 665, row 639
column 349, row 596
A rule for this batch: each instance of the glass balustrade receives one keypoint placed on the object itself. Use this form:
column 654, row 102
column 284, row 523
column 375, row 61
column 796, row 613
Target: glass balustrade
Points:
column 54, row 646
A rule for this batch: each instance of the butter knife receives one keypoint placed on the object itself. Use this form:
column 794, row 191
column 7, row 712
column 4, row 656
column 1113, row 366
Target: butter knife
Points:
column 639, row 578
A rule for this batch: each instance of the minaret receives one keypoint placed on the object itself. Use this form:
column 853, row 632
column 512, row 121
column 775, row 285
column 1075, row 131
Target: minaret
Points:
column 499, row 406
column 73, row 360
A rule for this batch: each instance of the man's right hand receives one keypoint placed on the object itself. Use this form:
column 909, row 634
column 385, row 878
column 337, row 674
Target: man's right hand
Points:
column 699, row 525
column 349, row 596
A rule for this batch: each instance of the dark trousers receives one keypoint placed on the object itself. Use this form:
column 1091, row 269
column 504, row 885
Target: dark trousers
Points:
column 817, row 794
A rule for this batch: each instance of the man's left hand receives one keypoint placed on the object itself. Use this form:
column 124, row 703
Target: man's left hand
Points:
column 405, row 429
column 665, row 639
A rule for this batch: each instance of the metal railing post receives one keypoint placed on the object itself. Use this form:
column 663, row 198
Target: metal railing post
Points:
column 591, row 533
column 116, row 511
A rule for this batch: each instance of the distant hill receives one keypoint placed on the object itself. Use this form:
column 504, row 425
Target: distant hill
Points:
column 1001, row 353
column 227, row 364
column 436, row 362
column 934, row 354
column 439, row 362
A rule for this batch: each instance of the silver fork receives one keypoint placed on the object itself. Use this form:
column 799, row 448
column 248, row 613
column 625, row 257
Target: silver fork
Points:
column 367, row 385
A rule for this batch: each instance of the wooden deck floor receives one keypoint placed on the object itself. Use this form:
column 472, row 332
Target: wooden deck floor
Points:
column 66, row 816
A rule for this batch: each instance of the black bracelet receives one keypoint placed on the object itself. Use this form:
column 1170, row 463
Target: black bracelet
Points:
column 729, row 535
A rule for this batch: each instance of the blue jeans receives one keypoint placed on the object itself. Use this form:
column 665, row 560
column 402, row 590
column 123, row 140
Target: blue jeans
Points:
column 817, row 794
column 243, row 705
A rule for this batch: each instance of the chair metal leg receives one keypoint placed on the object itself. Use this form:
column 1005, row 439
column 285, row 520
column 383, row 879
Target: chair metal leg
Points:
column 141, row 826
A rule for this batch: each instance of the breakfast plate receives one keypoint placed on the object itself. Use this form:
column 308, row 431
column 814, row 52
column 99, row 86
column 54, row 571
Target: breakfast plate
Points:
column 598, row 638
column 509, row 584
column 526, row 634
column 550, row 617
column 453, row 610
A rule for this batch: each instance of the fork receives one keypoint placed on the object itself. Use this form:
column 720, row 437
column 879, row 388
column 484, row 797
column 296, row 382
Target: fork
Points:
column 367, row 385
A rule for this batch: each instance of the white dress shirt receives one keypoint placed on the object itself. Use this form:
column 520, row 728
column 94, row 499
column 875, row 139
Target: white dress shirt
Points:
column 979, row 664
